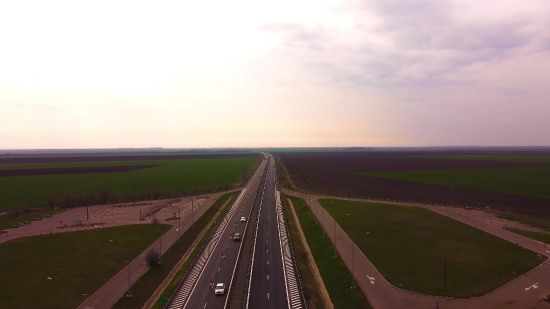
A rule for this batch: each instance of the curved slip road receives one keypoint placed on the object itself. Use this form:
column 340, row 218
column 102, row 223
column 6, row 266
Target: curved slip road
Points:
column 525, row 292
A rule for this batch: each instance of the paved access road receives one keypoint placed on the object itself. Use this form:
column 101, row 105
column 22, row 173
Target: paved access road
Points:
column 218, row 265
column 268, row 288
column 109, row 294
column 526, row 292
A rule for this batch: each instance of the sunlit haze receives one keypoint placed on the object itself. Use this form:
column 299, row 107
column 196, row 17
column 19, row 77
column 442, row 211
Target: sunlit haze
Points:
column 101, row 74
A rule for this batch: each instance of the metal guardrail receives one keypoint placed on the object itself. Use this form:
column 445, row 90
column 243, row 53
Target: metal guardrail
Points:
column 295, row 266
column 190, row 267
column 238, row 262
column 250, row 259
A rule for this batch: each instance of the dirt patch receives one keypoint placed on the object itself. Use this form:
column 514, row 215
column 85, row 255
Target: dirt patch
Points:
column 71, row 170
column 334, row 174
column 353, row 162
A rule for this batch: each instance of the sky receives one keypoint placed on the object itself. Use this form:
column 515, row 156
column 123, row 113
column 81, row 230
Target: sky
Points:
column 178, row 74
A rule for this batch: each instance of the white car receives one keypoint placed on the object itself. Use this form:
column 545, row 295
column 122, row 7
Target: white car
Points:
column 243, row 219
column 220, row 289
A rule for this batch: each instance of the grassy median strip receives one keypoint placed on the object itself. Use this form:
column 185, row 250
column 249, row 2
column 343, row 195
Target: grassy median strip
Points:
column 335, row 273
column 311, row 291
column 422, row 251
column 153, row 277
column 62, row 270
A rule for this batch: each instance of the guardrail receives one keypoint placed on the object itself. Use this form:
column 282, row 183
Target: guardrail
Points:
column 238, row 262
column 295, row 266
column 199, row 253
column 251, row 258
column 190, row 267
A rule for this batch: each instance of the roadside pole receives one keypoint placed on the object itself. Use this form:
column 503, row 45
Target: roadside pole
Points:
column 160, row 250
column 352, row 264
column 179, row 226
column 129, row 293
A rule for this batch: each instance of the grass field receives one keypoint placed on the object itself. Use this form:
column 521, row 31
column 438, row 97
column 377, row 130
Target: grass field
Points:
column 149, row 282
column 494, row 157
column 541, row 223
column 173, row 175
column 409, row 245
column 336, row 276
column 524, row 181
column 79, row 263
column 543, row 237
column 309, row 284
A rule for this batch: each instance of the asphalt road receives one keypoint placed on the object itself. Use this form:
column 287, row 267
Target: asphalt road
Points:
column 268, row 286
column 117, row 286
column 221, row 263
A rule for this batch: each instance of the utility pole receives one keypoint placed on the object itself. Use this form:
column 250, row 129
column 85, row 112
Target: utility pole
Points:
column 509, row 201
column 87, row 193
column 134, row 192
column 445, row 273
column 335, row 238
column 129, row 293
column 352, row 264
column 160, row 249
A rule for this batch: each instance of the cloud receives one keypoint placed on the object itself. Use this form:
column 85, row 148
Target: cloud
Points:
column 296, row 35
column 410, row 43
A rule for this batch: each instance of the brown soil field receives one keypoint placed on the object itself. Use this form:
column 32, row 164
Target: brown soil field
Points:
column 355, row 162
column 69, row 159
column 71, row 170
column 333, row 174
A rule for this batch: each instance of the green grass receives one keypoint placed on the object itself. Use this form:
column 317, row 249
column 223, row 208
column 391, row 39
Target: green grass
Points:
column 409, row 245
column 6, row 222
column 524, row 181
column 541, row 223
column 336, row 276
column 493, row 157
column 543, row 237
column 78, row 263
column 175, row 175
column 302, row 262
column 149, row 282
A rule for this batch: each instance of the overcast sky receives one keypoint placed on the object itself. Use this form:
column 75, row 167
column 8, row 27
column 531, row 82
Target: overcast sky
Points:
column 94, row 74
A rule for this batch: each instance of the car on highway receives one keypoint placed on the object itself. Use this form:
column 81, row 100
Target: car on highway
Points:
column 237, row 237
column 243, row 219
column 15, row 226
column 220, row 289
column 48, row 216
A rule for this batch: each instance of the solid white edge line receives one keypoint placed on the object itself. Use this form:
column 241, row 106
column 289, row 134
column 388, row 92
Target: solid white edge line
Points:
column 238, row 201
column 239, row 254
column 254, row 251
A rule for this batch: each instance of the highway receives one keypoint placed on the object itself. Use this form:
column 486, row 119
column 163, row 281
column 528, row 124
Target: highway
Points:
column 217, row 262
column 268, row 284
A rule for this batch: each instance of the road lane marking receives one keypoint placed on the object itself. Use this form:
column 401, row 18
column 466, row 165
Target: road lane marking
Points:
column 205, row 304
column 267, row 277
column 267, row 295
column 219, row 269
column 267, row 262
column 534, row 286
